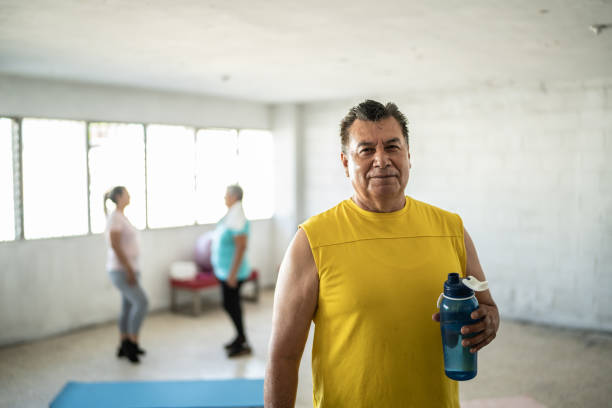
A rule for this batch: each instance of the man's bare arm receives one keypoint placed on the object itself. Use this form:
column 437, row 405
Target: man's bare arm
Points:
column 295, row 302
column 487, row 309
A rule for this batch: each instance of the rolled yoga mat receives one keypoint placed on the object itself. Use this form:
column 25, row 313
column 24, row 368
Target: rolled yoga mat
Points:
column 240, row 393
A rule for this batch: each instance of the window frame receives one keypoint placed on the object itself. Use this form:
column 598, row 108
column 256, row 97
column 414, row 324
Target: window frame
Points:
column 17, row 165
column 16, row 177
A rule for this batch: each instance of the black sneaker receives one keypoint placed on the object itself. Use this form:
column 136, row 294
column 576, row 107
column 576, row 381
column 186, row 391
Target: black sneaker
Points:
column 130, row 350
column 241, row 349
column 121, row 350
column 235, row 343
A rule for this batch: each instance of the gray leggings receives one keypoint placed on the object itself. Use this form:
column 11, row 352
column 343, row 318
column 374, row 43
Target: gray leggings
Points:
column 134, row 302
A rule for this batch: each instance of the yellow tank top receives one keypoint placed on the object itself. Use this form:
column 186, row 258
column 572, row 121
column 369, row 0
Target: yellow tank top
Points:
column 380, row 275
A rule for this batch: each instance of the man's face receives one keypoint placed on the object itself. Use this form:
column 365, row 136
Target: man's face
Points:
column 377, row 159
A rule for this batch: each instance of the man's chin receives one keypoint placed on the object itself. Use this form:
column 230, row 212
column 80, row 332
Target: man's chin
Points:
column 385, row 190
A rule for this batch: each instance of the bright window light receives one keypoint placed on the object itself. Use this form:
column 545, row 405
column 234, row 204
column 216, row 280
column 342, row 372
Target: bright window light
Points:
column 54, row 178
column 7, row 209
column 256, row 172
column 170, row 175
column 116, row 158
column 217, row 168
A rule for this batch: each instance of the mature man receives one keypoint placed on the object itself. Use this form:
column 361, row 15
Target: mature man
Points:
column 368, row 273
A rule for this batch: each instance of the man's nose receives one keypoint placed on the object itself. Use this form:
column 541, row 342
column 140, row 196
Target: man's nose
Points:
column 381, row 158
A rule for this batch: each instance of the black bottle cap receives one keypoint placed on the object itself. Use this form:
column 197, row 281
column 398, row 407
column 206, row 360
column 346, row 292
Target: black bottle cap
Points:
column 454, row 288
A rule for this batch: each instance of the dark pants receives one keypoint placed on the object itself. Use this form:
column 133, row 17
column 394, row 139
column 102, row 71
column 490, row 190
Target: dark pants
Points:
column 231, row 304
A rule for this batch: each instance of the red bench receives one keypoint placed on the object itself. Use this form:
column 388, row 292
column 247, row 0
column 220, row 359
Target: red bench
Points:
column 204, row 280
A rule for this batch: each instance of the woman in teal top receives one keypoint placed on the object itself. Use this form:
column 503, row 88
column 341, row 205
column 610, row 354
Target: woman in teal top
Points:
column 229, row 260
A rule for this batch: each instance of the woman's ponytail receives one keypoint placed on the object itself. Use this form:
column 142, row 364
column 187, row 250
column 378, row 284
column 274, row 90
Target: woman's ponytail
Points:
column 106, row 197
column 112, row 195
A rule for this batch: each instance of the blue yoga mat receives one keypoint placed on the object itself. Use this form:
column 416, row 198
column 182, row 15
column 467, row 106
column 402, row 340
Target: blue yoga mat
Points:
column 161, row 394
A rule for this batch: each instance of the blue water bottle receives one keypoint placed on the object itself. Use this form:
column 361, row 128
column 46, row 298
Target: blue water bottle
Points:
column 456, row 304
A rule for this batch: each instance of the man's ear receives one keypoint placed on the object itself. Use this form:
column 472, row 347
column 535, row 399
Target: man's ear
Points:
column 344, row 161
column 409, row 161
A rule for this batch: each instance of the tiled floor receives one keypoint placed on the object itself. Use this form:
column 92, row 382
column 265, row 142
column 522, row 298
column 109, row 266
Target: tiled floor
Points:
column 527, row 366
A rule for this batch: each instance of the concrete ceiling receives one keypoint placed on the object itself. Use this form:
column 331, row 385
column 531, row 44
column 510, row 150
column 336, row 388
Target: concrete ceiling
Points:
column 285, row 51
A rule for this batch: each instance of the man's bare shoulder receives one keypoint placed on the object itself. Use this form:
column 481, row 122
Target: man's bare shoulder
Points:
column 299, row 258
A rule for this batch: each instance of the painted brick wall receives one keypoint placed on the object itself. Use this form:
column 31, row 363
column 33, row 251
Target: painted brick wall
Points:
column 526, row 166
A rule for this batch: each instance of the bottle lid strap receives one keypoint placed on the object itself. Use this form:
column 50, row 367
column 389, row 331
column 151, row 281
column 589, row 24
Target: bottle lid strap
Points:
column 474, row 284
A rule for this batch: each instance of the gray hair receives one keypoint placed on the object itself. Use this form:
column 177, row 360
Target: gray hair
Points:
column 235, row 191
column 372, row 111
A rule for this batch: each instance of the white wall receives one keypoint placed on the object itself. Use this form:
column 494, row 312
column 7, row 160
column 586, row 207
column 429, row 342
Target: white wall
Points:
column 51, row 285
column 287, row 134
column 71, row 100
column 526, row 166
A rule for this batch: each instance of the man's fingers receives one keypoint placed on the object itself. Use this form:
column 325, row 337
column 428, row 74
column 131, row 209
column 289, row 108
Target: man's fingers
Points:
column 435, row 317
column 472, row 341
column 482, row 344
column 474, row 328
column 477, row 342
column 485, row 329
column 480, row 312
column 486, row 326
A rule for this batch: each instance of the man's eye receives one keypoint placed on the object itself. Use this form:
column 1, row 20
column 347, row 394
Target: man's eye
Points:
column 366, row 150
column 393, row 147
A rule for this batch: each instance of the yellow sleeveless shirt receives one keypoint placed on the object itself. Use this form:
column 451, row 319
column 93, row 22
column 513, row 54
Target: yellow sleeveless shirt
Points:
column 380, row 275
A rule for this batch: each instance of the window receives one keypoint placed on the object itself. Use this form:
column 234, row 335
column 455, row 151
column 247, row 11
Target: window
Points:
column 217, row 167
column 227, row 157
column 175, row 175
column 256, row 172
column 116, row 158
column 54, row 178
column 170, row 175
column 7, row 209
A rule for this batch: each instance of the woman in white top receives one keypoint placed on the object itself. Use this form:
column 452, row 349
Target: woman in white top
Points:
column 122, row 266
